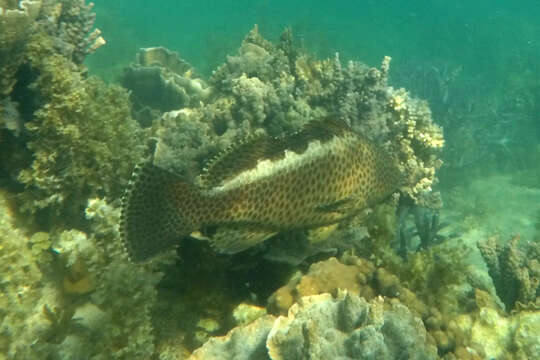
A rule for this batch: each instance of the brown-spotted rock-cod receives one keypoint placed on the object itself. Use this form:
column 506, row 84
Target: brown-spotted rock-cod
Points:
column 316, row 177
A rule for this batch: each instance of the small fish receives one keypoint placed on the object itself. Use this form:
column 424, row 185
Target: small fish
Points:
column 316, row 177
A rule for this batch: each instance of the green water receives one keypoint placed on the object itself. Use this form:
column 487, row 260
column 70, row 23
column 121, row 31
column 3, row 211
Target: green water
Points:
column 482, row 36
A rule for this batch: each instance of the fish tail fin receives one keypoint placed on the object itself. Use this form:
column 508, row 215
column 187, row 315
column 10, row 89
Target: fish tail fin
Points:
column 151, row 219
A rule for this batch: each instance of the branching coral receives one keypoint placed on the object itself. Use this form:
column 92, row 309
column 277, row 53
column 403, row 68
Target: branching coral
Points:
column 76, row 38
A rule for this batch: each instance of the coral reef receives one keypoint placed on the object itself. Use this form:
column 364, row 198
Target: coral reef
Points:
column 69, row 290
column 245, row 342
column 354, row 309
column 515, row 272
column 63, row 288
column 82, row 114
column 455, row 316
column 67, row 22
column 71, row 136
column 325, row 327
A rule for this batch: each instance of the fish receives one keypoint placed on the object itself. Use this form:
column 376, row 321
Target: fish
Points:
column 321, row 175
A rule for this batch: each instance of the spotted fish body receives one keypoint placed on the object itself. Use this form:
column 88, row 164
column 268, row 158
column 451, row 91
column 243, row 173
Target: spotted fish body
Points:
column 319, row 176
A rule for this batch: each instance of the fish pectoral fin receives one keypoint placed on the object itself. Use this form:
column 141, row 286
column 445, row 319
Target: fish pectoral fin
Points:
column 321, row 233
column 231, row 240
column 340, row 206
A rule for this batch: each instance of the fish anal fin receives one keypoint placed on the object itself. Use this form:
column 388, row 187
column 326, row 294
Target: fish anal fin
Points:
column 232, row 240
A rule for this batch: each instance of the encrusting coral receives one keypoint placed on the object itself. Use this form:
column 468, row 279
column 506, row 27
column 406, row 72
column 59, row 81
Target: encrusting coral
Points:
column 347, row 326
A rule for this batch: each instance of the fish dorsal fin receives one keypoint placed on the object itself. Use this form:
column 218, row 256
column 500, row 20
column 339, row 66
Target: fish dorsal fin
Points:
column 246, row 154
column 237, row 158
column 324, row 129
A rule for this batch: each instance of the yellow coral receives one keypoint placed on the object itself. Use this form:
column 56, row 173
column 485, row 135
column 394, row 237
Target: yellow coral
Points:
column 398, row 102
